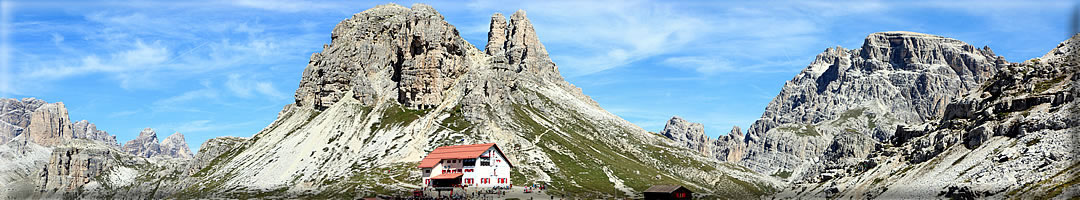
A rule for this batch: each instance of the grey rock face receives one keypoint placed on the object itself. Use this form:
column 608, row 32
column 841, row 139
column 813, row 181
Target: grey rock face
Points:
column 49, row 125
column 146, row 145
column 730, row 147
column 16, row 116
column 70, row 168
column 86, row 130
column 175, row 146
column 911, row 75
column 210, row 150
column 894, row 78
column 415, row 59
column 1016, row 130
column 690, row 134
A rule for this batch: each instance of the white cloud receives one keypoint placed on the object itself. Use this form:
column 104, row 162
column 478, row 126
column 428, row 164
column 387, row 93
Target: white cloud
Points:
column 705, row 65
column 140, row 57
column 285, row 5
column 247, row 87
column 122, row 113
column 594, row 36
column 177, row 103
column 6, row 14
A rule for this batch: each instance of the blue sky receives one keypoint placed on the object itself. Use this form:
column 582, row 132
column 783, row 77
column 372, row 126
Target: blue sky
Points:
column 225, row 68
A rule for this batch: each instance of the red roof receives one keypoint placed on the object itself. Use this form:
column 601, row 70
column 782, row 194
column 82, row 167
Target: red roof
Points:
column 448, row 176
column 456, row 152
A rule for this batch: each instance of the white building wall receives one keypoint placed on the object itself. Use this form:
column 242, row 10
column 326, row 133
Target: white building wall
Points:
column 499, row 168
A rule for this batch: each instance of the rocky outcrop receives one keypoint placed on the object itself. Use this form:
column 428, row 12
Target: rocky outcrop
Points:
column 210, row 150
column 175, row 146
column 86, row 130
column 689, row 134
column 145, row 145
column 15, row 116
column 53, row 125
column 1013, row 136
column 416, row 56
column 911, row 75
column 895, row 78
column 692, row 135
column 730, row 147
column 72, row 166
column 49, row 125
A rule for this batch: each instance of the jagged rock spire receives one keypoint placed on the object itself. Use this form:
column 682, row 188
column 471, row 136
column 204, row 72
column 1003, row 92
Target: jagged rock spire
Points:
column 175, row 146
column 497, row 34
column 517, row 44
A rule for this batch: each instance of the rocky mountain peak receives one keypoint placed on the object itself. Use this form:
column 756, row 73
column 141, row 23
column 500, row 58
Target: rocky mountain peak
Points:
column 497, row 37
column 145, row 145
column 918, row 51
column 389, row 52
column 901, row 71
column 16, row 116
column 395, row 83
column 893, row 78
column 679, row 129
column 735, row 131
column 148, row 133
column 86, row 130
column 49, row 125
column 175, row 146
column 689, row 134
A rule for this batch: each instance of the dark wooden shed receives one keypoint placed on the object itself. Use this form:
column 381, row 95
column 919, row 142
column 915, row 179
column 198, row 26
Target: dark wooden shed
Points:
column 668, row 192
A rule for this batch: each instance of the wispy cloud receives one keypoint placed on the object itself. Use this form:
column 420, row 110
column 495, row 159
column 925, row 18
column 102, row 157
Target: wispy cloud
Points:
column 6, row 14
column 285, row 5
column 247, row 87
column 140, row 57
column 123, row 113
column 595, row 36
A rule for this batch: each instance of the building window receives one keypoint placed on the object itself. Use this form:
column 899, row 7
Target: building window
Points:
column 428, row 171
column 485, row 180
column 680, row 195
column 427, row 181
column 470, row 162
column 485, row 162
column 467, row 181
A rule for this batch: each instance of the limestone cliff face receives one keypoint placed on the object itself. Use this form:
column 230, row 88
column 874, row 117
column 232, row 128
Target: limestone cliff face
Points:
column 49, row 125
column 414, row 57
column 1012, row 136
column 86, row 130
column 52, row 123
column 147, row 145
column 50, row 158
column 692, row 135
column 71, row 167
column 16, row 116
column 894, row 78
column 175, row 146
column 911, row 75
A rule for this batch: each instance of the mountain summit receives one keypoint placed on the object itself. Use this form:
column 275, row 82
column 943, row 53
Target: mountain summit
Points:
column 395, row 83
